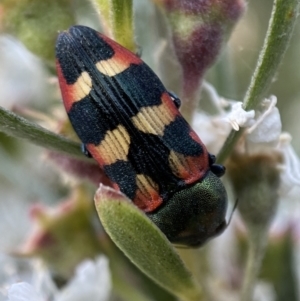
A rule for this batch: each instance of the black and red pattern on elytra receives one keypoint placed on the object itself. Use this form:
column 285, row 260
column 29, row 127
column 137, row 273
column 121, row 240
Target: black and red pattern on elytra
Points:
column 112, row 101
column 127, row 120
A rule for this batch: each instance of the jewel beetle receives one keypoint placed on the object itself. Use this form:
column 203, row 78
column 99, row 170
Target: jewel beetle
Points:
column 131, row 125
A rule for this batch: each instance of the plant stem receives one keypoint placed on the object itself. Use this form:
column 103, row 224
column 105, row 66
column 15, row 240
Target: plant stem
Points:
column 257, row 244
column 281, row 25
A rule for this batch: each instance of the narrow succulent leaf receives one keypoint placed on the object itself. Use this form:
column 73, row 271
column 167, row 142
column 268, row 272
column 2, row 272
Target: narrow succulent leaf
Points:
column 144, row 244
column 122, row 23
column 117, row 21
column 281, row 25
column 19, row 127
column 284, row 15
column 103, row 9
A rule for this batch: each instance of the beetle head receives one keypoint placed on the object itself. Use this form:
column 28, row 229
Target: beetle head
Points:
column 195, row 214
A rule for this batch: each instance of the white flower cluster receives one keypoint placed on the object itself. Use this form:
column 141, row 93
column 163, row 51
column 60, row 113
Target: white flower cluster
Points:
column 263, row 133
column 91, row 282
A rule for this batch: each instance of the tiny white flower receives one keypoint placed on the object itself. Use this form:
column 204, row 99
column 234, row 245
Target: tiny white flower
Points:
column 212, row 130
column 91, row 282
column 23, row 291
column 290, row 175
column 266, row 135
column 42, row 280
column 23, row 277
column 267, row 127
column 238, row 117
column 214, row 97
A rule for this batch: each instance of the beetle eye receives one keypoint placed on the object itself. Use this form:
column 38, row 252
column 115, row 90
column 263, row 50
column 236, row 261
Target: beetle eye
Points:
column 220, row 228
column 218, row 170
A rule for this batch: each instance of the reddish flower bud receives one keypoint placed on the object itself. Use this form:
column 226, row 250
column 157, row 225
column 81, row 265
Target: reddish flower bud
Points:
column 199, row 29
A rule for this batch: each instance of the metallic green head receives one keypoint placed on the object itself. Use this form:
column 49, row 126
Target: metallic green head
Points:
column 195, row 214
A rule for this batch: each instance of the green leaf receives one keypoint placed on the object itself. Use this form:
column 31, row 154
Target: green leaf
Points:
column 117, row 21
column 281, row 25
column 18, row 127
column 103, row 9
column 122, row 23
column 144, row 244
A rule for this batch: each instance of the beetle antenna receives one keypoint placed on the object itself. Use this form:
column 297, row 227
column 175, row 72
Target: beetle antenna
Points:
column 233, row 209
